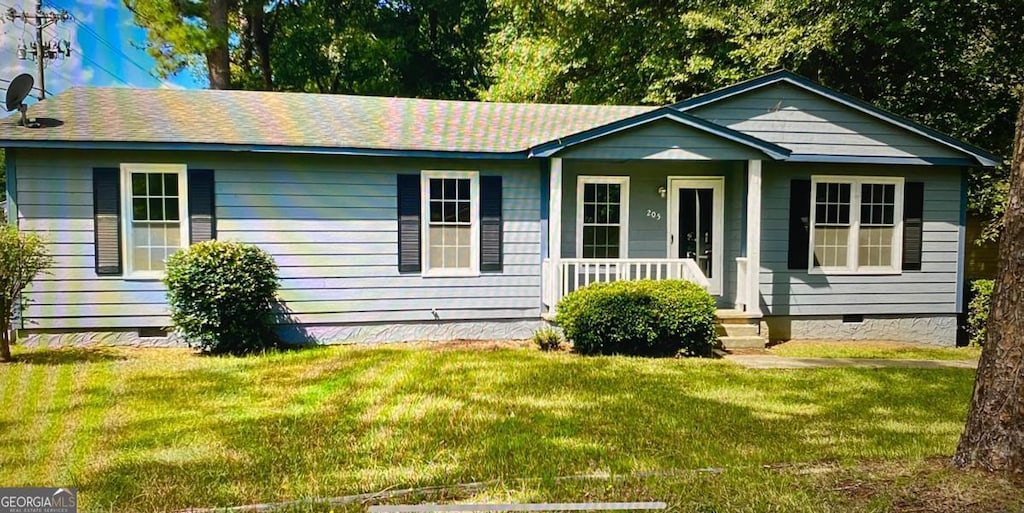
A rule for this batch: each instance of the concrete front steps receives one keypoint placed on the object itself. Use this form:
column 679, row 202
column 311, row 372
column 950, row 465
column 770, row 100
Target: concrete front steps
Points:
column 741, row 330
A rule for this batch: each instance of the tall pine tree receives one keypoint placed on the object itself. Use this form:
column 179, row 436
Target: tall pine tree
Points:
column 180, row 34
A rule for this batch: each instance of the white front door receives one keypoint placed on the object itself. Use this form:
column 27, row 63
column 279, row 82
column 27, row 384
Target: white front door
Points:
column 695, row 224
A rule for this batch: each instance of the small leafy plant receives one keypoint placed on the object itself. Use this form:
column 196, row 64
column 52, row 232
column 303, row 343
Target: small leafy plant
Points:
column 221, row 296
column 644, row 317
column 978, row 309
column 547, row 339
column 22, row 257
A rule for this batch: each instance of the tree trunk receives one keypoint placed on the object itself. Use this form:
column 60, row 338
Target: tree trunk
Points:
column 218, row 58
column 994, row 436
column 5, row 335
column 261, row 38
column 5, row 347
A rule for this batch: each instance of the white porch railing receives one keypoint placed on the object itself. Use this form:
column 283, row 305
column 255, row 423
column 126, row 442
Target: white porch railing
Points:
column 568, row 274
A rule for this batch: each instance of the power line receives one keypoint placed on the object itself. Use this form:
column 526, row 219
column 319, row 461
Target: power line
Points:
column 42, row 53
column 62, row 72
column 39, row 51
column 4, row 89
column 116, row 50
column 4, row 80
column 107, row 71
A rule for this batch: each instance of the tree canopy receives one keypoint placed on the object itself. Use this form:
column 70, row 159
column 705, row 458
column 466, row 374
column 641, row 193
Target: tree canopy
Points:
column 422, row 48
column 187, row 33
column 953, row 65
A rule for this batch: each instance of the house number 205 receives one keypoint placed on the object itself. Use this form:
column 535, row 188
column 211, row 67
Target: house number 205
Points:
column 653, row 214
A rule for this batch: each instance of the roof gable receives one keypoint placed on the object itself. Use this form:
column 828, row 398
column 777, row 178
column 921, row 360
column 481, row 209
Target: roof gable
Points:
column 661, row 134
column 819, row 124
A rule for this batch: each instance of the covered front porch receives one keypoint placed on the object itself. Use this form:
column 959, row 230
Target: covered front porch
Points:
column 689, row 219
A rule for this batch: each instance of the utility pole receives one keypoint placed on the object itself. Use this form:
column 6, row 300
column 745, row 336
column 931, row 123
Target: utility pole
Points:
column 40, row 51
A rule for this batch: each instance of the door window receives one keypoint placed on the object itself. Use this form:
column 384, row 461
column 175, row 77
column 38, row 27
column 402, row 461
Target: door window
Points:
column 697, row 240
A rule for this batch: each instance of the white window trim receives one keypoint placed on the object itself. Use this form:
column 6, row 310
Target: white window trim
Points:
column 474, row 216
column 126, row 208
column 853, row 242
column 623, row 181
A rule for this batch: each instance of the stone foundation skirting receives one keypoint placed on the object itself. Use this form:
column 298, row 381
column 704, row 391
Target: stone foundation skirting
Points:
column 305, row 334
column 411, row 331
column 36, row 338
column 934, row 329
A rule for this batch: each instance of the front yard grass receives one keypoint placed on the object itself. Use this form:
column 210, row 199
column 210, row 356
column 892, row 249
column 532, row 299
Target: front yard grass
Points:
column 874, row 350
column 157, row 430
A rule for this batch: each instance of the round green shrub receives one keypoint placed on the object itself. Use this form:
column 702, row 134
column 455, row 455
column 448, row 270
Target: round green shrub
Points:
column 221, row 296
column 644, row 317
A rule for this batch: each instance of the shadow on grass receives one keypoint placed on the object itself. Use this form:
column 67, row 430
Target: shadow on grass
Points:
column 344, row 422
column 277, row 348
column 68, row 356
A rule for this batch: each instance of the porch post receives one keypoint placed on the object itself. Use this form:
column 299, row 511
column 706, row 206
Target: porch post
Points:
column 554, row 232
column 753, row 236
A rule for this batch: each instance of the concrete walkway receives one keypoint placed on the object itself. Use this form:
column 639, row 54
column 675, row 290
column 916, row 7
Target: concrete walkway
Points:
column 782, row 362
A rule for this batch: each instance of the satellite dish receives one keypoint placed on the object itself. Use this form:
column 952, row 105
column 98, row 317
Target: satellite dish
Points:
column 18, row 91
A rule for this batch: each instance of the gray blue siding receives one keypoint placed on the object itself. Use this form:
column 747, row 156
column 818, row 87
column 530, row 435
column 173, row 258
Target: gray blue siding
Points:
column 807, row 123
column 931, row 290
column 648, row 236
column 329, row 222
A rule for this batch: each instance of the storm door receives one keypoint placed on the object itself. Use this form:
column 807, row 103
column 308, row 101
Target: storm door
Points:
column 695, row 224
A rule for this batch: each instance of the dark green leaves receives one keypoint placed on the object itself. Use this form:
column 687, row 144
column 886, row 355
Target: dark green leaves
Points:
column 222, row 296
column 644, row 317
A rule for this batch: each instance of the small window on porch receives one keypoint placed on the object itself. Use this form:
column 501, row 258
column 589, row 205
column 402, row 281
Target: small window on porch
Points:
column 602, row 205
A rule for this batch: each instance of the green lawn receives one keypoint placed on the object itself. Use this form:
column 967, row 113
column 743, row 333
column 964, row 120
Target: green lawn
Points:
column 890, row 350
column 154, row 430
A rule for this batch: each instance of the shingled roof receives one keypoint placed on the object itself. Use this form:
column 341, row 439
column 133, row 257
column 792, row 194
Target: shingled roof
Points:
column 113, row 118
column 301, row 120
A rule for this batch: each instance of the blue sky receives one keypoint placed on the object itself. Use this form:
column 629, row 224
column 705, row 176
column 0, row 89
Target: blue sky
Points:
column 105, row 48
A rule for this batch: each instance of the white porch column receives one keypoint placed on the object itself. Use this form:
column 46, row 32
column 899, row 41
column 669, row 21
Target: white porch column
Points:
column 555, row 231
column 753, row 236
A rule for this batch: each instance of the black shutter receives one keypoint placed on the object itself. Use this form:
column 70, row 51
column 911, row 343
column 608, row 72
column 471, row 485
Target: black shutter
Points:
column 913, row 225
column 490, row 223
column 106, row 210
column 409, row 224
column 202, row 218
column 799, row 223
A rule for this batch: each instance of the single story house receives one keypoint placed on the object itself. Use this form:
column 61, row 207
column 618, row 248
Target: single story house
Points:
column 806, row 213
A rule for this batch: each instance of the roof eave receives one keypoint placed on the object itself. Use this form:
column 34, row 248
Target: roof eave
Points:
column 261, row 148
column 857, row 159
